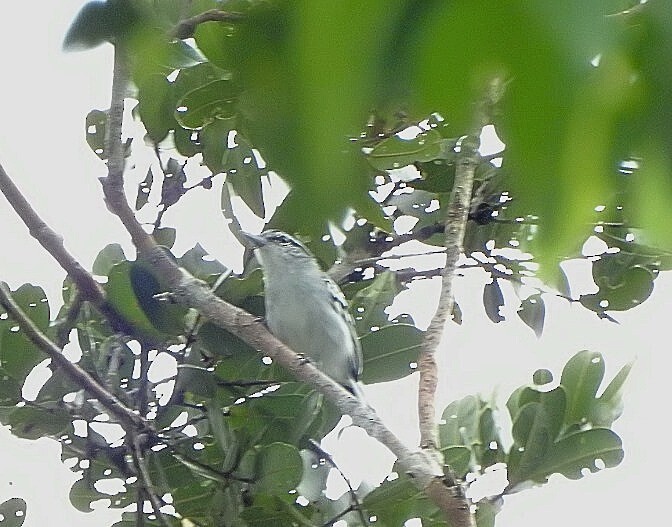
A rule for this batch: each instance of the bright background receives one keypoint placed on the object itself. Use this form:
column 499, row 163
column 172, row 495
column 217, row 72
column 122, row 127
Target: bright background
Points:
column 45, row 95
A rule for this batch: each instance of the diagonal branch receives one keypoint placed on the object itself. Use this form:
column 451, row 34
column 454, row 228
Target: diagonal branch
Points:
column 50, row 240
column 425, row 471
column 126, row 417
column 53, row 243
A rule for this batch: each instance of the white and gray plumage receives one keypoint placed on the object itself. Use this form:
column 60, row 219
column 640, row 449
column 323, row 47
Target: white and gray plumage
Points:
column 306, row 310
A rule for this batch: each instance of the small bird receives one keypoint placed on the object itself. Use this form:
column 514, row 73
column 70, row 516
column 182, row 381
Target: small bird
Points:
column 306, row 310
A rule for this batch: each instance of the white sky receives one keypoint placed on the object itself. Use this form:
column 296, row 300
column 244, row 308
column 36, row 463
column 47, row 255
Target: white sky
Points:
column 46, row 95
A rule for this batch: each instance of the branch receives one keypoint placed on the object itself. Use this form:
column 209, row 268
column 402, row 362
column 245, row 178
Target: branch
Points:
column 49, row 239
column 53, row 243
column 145, row 478
column 424, row 469
column 187, row 27
column 126, row 417
column 455, row 226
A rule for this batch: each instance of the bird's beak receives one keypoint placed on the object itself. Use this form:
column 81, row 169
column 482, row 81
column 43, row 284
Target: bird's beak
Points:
column 254, row 239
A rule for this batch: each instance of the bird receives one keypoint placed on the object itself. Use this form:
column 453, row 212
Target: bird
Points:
column 306, row 310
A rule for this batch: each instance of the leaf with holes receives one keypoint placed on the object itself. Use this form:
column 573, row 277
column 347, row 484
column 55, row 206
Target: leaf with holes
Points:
column 18, row 355
column 532, row 311
column 395, row 152
column 12, row 512
column 493, row 300
column 369, row 304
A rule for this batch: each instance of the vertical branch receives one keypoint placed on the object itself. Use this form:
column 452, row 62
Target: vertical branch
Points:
column 455, row 226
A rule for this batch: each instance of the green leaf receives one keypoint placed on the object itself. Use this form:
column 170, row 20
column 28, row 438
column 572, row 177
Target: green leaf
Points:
column 96, row 130
column 581, row 378
column 390, row 352
column 278, row 468
column 165, row 236
column 196, row 380
column 12, row 512
column 156, row 107
column 369, row 304
column 578, row 452
column 315, row 474
column 397, row 500
column 542, row 376
column 458, row 458
column 460, row 422
column 395, row 152
column 214, row 139
column 201, row 106
column 92, row 26
column 246, row 182
column 18, row 355
column 111, row 255
column 120, row 294
column 533, row 437
column 532, row 311
column 609, row 405
column 163, row 315
column 209, row 38
column 623, row 283
column 29, row 422
column 200, row 264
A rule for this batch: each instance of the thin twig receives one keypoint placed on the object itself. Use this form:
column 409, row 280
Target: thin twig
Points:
column 356, row 504
column 145, row 478
column 126, row 417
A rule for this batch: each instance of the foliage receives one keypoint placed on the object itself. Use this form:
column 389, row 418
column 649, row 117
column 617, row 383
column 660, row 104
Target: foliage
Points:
column 263, row 89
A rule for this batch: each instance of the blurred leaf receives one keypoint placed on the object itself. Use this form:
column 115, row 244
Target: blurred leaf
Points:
column 164, row 315
column 395, row 152
column 623, row 283
column 206, row 103
column 120, row 293
column 156, row 107
column 214, row 137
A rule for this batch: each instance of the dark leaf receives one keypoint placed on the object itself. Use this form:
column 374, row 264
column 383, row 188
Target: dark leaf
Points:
column 493, row 299
column 532, row 311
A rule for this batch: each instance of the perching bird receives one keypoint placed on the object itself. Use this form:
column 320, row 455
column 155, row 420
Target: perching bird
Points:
column 306, row 310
